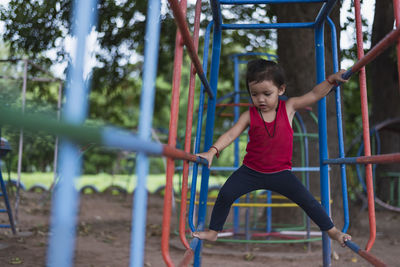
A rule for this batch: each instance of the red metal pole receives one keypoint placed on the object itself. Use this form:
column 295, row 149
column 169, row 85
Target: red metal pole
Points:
column 234, row 105
column 173, row 124
column 188, row 133
column 180, row 19
column 174, row 153
column 364, row 113
column 396, row 9
column 380, row 159
column 388, row 40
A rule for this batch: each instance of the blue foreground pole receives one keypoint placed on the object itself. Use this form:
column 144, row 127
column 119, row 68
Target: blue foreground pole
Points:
column 66, row 198
column 346, row 215
column 198, row 132
column 323, row 142
column 145, row 123
column 214, row 71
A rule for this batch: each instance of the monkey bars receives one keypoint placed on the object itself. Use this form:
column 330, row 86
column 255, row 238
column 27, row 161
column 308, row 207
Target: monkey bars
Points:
column 317, row 25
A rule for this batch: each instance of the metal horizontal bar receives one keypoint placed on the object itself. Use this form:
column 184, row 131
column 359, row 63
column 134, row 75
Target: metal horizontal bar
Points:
column 34, row 79
column 353, row 246
column 388, row 40
column 259, row 241
column 5, row 226
column 180, row 154
column 38, row 79
column 315, row 135
column 349, row 160
column 324, row 12
column 228, row 168
column 108, row 136
column 33, row 64
column 234, row 105
column 366, row 255
column 268, row 25
column 118, row 138
column 245, row 2
column 375, row 159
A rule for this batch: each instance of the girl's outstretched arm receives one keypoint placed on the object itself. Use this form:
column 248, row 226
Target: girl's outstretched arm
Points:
column 227, row 138
column 318, row 92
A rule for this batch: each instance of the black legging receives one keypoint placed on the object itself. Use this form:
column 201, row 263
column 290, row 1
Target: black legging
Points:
column 245, row 180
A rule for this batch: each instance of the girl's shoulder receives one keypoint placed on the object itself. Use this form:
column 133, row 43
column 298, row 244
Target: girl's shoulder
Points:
column 245, row 117
column 245, row 114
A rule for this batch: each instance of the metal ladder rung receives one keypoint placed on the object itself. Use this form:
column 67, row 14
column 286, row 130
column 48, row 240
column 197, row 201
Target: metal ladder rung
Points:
column 250, row 2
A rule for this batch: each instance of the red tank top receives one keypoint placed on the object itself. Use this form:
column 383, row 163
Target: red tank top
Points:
column 269, row 154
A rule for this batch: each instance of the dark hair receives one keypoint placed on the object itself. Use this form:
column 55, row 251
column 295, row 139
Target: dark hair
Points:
column 259, row 70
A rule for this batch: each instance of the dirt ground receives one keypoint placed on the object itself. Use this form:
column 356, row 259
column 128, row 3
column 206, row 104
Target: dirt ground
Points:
column 103, row 239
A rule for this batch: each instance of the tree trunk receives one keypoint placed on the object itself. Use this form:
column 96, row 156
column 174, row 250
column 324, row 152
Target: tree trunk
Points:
column 383, row 77
column 296, row 52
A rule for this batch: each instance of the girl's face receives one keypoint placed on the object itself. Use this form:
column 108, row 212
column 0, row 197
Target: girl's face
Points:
column 265, row 94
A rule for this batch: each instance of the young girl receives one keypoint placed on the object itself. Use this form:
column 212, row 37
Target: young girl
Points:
column 268, row 162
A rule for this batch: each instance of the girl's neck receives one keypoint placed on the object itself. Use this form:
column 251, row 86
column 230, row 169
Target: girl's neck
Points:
column 269, row 115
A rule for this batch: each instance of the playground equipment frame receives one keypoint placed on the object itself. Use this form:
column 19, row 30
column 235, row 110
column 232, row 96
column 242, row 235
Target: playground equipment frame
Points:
column 66, row 199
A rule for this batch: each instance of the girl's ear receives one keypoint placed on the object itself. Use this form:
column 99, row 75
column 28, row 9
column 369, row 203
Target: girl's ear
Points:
column 282, row 89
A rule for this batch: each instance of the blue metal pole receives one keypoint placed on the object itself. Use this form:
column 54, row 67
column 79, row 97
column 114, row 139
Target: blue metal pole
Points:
column 269, row 212
column 323, row 141
column 8, row 207
column 198, row 131
column 214, row 71
column 306, row 156
column 4, row 194
column 247, row 219
column 269, row 25
column 324, row 12
column 236, row 109
column 152, row 37
column 340, row 128
column 243, row 2
column 236, row 210
column 66, row 197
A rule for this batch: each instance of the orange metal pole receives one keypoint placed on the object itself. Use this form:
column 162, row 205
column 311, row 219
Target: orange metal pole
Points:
column 188, row 133
column 180, row 19
column 173, row 124
column 234, row 105
column 380, row 159
column 364, row 113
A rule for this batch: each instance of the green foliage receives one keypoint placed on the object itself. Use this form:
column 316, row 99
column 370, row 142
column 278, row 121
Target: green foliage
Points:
column 33, row 28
